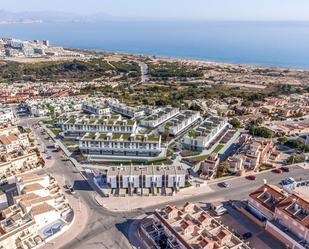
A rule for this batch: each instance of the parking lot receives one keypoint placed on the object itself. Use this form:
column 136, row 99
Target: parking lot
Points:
column 239, row 223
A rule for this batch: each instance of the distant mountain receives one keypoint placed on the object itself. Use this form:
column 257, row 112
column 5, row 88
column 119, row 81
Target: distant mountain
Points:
column 50, row 16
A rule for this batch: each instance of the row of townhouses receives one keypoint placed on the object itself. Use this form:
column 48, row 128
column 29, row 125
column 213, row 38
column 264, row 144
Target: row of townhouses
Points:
column 146, row 179
column 199, row 138
column 180, row 122
column 136, row 145
column 160, row 116
column 77, row 125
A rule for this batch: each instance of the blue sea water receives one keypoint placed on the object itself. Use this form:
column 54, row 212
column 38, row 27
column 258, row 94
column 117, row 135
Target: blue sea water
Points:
column 265, row 43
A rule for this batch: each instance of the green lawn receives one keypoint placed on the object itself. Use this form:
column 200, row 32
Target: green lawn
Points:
column 55, row 131
column 198, row 158
column 218, row 148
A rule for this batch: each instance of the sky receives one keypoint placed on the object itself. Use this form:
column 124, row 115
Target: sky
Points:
column 262, row 10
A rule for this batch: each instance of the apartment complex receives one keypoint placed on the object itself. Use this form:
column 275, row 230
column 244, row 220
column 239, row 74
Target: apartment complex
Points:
column 286, row 216
column 188, row 228
column 96, row 108
column 145, row 180
column 128, row 111
column 199, row 138
column 120, row 145
column 160, row 116
column 180, row 122
column 78, row 125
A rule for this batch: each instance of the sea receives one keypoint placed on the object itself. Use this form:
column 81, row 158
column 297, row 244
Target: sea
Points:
column 283, row 44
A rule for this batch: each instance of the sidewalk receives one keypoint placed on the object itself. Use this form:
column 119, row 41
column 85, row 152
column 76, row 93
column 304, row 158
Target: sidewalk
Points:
column 135, row 202
column 75, row 228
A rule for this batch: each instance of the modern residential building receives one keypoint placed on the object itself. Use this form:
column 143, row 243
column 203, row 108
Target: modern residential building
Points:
column 159, row 117
column 120, row 145
column 188, row 228
column 127, row 111
column 145, row 180
column 180, row 122
column 78, row 125
column 6, row 115
column 199, row 138
column 3, row 200
column 97, row 109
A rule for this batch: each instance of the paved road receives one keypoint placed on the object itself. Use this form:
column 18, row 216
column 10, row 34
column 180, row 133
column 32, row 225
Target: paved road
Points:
column 105, row 229
column 240, row 187
column 108, row 229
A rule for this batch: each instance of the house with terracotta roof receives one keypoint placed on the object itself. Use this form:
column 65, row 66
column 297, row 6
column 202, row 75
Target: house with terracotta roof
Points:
column 190, row 227
column 286, row 216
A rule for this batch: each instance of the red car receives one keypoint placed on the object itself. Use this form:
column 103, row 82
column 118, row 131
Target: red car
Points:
column 278, row 171
column 251, row 177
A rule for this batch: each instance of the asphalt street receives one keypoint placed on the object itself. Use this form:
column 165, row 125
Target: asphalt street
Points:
column 107, row 229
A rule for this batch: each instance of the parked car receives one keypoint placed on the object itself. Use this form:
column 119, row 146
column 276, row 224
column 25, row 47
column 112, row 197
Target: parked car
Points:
column 223, row 184
column 48, row 157
column 278, row 171
column 285, row 169
column 71, row 189
column 246, row 235
column 251, row 177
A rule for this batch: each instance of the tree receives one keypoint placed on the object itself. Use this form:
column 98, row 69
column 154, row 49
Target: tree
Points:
column 296, row 159
column 282, row 140
column 261, row 131
column 235, row 122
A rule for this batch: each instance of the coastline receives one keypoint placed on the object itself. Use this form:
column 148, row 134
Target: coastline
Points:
column 189, row 59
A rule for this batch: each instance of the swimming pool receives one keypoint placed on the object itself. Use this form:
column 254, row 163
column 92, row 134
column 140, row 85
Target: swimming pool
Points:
column 53, row 228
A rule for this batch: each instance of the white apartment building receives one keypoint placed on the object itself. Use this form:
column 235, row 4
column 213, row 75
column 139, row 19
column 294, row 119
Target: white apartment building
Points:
column 97, row 109
column 79, row 125
column 6, row 115
column 128, row 111
column 180, row 122
column 120, row 145
column 199, row 138
column 159, row 117
column 146, row 178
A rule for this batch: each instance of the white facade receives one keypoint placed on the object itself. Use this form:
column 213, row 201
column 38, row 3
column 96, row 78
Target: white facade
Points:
column 180, row 122
column 151, row 176
column 77, row 126
column 96, row 109
column 128, row 111
column 159, row 117
column 6, row 115
column 205, row 133
column 120, row 145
